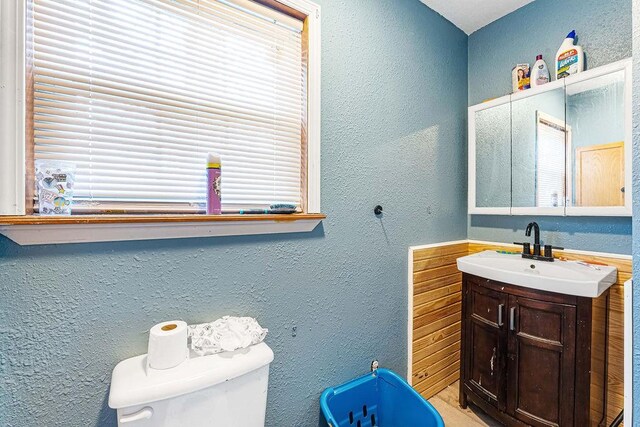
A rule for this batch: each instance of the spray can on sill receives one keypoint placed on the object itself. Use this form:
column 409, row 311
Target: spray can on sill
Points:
column 214, row 193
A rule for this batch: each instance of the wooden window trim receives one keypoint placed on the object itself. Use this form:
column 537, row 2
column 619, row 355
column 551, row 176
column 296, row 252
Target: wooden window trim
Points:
column 283, row 8
column 30, row 184
column 304, row 114
column 38, row 230
column 147, row 219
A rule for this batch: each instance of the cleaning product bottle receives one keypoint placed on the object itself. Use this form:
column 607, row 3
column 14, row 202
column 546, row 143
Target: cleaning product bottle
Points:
column 520, row 76
column 570, row 57
column 539, row 72
column 214, row 194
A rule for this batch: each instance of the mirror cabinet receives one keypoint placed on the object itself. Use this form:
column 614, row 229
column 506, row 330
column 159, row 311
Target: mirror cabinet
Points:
column 560, row 149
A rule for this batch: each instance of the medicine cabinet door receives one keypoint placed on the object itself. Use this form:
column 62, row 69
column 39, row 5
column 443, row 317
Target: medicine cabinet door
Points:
column 490, row 158
column 538, row 150
column 599, row 114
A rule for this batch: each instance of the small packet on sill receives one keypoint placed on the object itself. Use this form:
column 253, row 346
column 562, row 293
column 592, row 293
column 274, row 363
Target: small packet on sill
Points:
column 54, row 184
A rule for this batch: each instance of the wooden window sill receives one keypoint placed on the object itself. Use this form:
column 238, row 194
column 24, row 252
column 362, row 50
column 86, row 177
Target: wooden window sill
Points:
column 37, row 230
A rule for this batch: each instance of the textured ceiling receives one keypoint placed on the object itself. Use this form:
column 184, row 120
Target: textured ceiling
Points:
column 471, row 15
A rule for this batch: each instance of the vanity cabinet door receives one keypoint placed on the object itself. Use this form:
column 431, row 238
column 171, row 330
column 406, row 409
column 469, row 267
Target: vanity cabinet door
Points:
column 485, row 342
column 541, row 362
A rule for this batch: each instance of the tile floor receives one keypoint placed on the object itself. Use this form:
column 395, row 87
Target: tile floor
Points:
column 446, row 402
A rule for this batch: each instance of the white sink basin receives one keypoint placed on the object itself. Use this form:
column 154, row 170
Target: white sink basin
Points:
column 564, row 277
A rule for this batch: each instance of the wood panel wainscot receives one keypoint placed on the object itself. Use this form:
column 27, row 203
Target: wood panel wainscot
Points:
column 435, row 314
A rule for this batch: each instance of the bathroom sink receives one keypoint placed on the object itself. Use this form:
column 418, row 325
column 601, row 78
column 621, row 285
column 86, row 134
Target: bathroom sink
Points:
column 565, row 277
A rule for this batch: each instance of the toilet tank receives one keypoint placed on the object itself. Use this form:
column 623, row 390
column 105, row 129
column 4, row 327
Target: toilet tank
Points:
column 226, row 389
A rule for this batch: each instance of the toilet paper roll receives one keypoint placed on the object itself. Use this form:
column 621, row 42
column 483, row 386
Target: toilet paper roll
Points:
column 167, row 345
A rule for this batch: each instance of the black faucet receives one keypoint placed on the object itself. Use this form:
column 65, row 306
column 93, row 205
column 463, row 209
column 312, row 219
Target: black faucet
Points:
column 526, row 247
column 536, row 238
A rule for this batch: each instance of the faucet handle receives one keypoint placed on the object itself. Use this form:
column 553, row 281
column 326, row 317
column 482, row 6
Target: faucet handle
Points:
column 526, row 247
column 548, row 250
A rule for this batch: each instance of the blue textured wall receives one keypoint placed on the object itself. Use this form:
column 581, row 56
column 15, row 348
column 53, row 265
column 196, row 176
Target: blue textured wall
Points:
column 393, row 132
column 604, row 31
column 636, row 210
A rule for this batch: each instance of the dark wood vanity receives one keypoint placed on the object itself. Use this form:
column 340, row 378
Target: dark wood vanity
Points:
column 533, row 358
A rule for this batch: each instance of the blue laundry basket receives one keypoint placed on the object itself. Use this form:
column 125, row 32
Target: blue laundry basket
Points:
column 380, row 398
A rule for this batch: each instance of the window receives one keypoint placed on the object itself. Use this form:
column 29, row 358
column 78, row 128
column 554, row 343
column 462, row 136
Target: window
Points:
column 552, row 139
column 136, row 93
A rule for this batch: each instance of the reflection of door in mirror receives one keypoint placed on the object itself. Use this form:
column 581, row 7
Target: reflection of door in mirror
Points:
column 600, row 175
column 596, row 113
column 552, row 140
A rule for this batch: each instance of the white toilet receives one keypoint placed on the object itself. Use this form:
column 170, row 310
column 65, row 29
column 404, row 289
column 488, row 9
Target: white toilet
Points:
column 225, row 390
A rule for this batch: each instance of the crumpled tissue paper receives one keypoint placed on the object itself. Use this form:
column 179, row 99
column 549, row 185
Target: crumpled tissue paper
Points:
column 225, row 334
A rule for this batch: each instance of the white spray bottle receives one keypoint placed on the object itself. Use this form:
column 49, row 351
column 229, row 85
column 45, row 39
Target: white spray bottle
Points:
column 539, row 73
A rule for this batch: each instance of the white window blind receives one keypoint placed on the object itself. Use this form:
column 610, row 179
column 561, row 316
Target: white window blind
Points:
column 137, row 92
column 550, row 162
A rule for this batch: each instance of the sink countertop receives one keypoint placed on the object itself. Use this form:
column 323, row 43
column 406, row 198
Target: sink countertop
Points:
column 564, row 277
